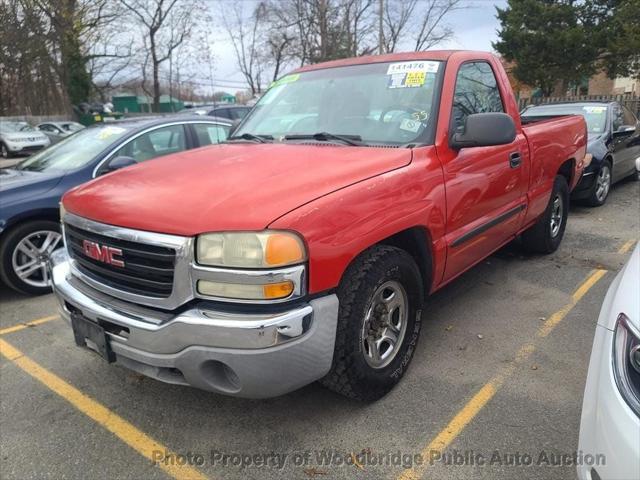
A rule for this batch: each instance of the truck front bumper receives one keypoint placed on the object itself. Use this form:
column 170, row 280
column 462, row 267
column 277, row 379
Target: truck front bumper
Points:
column 253, row 355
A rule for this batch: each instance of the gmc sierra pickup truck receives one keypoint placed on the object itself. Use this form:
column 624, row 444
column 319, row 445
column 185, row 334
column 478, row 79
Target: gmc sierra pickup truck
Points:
column 303, row 247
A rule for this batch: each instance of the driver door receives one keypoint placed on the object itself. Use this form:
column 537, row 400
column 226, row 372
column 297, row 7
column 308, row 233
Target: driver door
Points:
column 485, row 186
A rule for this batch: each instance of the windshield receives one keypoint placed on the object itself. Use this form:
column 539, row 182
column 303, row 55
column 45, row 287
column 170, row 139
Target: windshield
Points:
column 594, row 115
column 13, row 127
column 75, row 151
column 380, row 103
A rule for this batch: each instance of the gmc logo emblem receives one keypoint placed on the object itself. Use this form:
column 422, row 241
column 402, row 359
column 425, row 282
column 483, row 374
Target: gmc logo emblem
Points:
column 103, row 253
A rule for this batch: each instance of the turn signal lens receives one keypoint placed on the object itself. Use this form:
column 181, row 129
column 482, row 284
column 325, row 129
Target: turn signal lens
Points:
column 283, row 249
column 270, row 291
column 278, row 290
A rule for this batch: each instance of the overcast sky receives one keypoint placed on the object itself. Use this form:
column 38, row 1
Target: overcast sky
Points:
column 475, row 28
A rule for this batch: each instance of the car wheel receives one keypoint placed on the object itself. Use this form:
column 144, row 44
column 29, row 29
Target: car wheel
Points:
column 546, row 234
column 4, row 151
column 379, row 322
column 24, row 254
column 601, row 186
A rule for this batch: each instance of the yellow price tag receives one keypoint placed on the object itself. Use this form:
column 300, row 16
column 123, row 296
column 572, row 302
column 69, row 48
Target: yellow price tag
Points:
column 415, row 79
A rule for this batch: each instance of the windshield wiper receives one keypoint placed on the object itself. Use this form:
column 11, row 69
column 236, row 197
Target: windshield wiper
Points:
column 252, row 138
column 355, row 140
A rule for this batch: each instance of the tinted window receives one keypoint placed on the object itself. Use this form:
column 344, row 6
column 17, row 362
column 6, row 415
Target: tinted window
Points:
column 209, row 133
column 158, row 142
column 239, row 113
column 222, row 112
column 628, row 117
column 476, row 92
column 616, row 115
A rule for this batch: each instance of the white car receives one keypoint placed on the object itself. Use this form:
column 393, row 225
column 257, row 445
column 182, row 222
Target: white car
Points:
column 20, row 138
column 56, row 131
column 610, row 426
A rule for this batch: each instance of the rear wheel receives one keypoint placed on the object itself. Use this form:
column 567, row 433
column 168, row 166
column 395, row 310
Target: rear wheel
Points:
column 24, row 254
column 378, row 324
column 601, row 186
column 546, row 234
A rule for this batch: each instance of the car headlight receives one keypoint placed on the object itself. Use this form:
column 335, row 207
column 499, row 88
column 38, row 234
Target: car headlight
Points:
column 250, row 267
column 266, row 249
column 626, row 361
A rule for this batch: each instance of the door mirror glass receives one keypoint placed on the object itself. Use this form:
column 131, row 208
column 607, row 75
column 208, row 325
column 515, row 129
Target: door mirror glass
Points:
column 484, row 130
column 625, row 130
column 120, row 162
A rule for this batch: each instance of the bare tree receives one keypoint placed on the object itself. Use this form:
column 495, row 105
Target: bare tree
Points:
column 421, row 21
column 245, row 33
column 165, row 24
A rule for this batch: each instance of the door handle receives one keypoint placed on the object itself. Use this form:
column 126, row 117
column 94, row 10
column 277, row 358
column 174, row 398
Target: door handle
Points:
column 514, row 159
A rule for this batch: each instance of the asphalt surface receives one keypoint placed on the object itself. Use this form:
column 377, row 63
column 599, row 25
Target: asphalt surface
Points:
column 473, row 330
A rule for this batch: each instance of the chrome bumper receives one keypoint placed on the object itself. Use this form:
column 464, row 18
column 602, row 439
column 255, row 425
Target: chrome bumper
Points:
column 249, row 355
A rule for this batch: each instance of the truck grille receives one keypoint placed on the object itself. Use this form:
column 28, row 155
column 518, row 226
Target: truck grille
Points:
column 148, row 269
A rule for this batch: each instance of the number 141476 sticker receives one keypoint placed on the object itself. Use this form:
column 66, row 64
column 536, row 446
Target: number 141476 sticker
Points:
column 416, row 66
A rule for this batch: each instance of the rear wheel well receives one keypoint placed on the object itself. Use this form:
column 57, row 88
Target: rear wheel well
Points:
column 567, row 169
column 415, row 241
column 51, row 215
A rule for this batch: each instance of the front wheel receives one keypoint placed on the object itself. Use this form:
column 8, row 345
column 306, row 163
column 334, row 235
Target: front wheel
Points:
column 379, row 322
column 4, row 151
column 24, row 254
column 546, row 234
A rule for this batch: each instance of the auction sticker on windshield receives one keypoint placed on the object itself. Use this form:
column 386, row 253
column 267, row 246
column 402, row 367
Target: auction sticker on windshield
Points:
column 110, row 131
column 416, row 66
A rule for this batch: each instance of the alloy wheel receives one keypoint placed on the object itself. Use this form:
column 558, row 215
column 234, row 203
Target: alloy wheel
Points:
column 31, row 255
column 603, row 183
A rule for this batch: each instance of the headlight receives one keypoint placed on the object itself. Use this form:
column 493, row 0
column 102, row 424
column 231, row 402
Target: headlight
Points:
column 266, row 249
column 626, row 361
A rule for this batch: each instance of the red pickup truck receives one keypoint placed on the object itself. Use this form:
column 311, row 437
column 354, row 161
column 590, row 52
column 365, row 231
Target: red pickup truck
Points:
column 302, row 248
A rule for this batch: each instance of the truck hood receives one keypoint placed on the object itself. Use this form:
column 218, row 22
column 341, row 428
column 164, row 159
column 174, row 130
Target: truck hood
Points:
column 23, row 185
column 227, row 187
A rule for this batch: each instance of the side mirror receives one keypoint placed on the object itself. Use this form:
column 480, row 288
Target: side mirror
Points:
column 484, row 130
column 120, row 162
column 625, row 130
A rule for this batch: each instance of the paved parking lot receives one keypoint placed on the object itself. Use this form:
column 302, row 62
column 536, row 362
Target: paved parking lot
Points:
column 500, row 368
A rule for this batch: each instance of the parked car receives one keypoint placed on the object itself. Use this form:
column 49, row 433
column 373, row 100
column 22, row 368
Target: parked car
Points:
column 610, row 425
column 19, row 138
column 303, row 247
column 231, row 112
column 30, row 192
column 614, row 142
column 56, row 131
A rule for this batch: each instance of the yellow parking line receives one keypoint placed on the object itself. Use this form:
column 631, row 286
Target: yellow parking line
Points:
column 626, row 247
column 125, row 431
column 458, row 423
column 22, row 326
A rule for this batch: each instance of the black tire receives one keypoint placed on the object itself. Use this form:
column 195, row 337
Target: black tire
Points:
column 351, row 375
column 595, row 198
column 9, row 243
column 539, row 238
column 4, row 151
